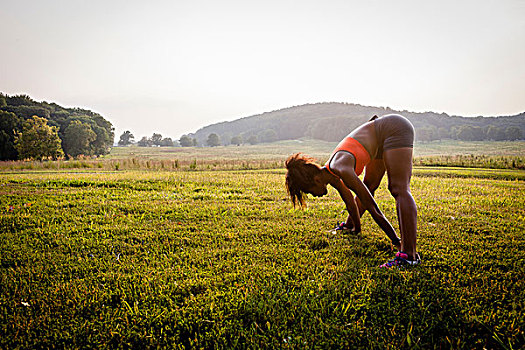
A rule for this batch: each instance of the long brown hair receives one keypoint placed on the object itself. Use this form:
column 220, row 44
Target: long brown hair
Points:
column 300, row 176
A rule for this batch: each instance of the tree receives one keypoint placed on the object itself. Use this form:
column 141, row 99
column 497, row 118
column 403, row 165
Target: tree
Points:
column 20, row 100
column 108, row 137
column 252, row 140
column 186, row 141
column 443, row 133
column 513, row 133
column 269, row 135
column 426, row 134
column 166, row 142
column 24, row 107
column 9, row 125
column 126, row 138
column 78, row 137
column 495, row 133
column 236, row 140
column 144, row 142
column 479, row 133
column 102, row 143
column 466, row 133
column 213, row 140
column 156, row 139
column 38, row 140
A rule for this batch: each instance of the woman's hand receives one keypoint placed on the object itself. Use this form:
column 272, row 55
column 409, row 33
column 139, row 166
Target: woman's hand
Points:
column 351, row 181
column 346, row 227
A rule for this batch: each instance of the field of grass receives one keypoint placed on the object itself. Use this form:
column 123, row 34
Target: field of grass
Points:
column 208, row 259
column 497, row 155
column 192, row 257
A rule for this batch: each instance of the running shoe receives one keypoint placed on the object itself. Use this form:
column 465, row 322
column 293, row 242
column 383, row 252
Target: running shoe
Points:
column 401, row 260
column 341, row 228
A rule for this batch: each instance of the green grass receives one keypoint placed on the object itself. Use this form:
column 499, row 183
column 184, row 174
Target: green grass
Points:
column 483, row 173
column 475, row 148
column 218, row 259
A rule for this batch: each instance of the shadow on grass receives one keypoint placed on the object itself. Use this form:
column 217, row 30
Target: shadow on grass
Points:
column 414, row 309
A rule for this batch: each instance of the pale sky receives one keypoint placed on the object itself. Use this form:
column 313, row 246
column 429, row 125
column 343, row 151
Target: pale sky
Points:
column 172, row 67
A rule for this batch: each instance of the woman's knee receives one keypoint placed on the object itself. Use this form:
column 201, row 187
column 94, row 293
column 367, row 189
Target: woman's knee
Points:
column 398, row 189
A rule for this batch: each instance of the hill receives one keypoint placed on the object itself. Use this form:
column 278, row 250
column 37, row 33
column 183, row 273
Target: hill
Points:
column 332, row 121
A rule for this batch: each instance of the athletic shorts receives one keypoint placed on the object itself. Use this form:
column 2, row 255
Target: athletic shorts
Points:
column 393, row 131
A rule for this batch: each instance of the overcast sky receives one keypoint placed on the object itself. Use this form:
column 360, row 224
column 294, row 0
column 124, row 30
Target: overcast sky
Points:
column 175, row 66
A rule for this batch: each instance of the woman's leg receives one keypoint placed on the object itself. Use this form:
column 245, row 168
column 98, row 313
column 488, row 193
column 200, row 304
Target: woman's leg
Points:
column 398, row 164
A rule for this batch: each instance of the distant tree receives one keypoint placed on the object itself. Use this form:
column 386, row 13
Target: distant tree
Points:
column 252, row 140
column 186, row 141
column 443, row 133
column 236, row 140
column 20, row 100
column 513, row 133
column 105, row 134
column 77, row 139
column 103, row 141
column 495, row 133
column 269, row 135
column 126, row 138
column 166, row 142
column 466, row 133
column 38, row 140
column 144, row 142
column 479, row 133
column 426, row 134
column 454, row 131
column 226, row 138
column 24, row 108
column 28, row 111
column 213, row 140
column 156, row 139
column 9, row 125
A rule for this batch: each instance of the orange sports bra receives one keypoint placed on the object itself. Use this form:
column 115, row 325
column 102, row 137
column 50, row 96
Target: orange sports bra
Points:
column 361, row 155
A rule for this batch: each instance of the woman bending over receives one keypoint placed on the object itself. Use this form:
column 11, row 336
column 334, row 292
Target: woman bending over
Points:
column 382, row 144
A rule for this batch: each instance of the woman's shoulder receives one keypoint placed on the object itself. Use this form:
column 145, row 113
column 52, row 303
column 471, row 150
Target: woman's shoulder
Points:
column 340, row 162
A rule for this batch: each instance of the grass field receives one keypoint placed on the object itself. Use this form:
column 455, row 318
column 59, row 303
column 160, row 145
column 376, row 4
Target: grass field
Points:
column 494, row 155
column 198, row 258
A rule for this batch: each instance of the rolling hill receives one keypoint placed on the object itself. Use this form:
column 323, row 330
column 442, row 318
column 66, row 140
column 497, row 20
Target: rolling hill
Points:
column 332, row 121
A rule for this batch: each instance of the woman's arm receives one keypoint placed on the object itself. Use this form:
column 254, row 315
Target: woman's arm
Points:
column 351, row 205
column 352, row 181
column 374, row 172
column 342, row 166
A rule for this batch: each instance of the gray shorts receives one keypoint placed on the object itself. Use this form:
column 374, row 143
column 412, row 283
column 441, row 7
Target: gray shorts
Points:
column 393, row 131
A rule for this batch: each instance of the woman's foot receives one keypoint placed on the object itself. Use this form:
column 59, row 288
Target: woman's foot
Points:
column 402, row 260
column 343, row 228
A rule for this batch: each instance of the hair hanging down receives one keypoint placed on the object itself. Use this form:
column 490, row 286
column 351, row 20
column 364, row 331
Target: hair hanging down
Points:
column 300, row 176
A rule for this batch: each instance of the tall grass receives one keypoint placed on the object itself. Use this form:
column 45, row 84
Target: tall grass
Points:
column 472, row 161
column 271, row 156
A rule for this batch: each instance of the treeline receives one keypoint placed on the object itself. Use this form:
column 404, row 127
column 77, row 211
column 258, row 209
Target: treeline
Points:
column 333, row 121
column 156, row 140
column 42, row 130
column 127, row 138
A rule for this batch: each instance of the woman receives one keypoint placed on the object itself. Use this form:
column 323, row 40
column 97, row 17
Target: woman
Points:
column 381, row 144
